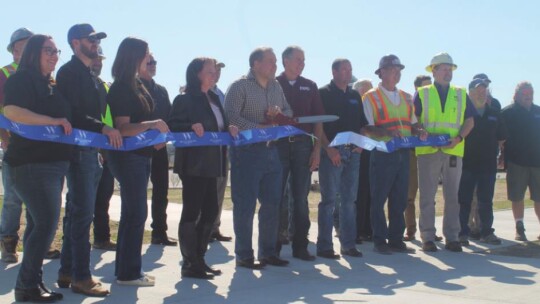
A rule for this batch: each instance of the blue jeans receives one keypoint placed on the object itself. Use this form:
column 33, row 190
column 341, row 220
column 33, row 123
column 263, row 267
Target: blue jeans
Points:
column 485, row 187
column 39, row 185
column 10, row 221
column 389, row 179
column 255, row 174
column 294, row 157
column 342, row 180
column 82, row 180
column 132, row 172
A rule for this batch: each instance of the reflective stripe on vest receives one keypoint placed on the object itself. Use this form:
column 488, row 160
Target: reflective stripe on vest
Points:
column 9, row 70
column 435, row 121
column 397, row 119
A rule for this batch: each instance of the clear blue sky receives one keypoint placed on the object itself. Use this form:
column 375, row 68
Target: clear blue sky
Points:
column 499, row 38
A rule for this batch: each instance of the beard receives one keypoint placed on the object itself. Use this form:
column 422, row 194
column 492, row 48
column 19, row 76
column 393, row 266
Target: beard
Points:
column 88, row 52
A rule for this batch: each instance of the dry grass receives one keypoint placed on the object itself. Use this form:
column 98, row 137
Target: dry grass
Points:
column 500, row 202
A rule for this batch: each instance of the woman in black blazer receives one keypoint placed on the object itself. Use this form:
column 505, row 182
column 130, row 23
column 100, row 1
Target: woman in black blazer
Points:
column 199, row 110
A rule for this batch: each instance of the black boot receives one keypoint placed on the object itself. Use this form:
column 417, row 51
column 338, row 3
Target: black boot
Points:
column 191, row 264
column 204, row 233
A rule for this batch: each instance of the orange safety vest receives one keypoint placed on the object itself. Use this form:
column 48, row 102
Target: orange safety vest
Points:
column 397, row 118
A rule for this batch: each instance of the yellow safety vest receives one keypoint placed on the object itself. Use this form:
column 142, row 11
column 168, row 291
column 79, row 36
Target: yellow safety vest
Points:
column 107, row 119
column 436, row 121
column 9, row 70
column 389, row 116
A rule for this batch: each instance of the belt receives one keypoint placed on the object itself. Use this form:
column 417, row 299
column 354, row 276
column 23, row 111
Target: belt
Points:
column 295, row 138
column 268, row 144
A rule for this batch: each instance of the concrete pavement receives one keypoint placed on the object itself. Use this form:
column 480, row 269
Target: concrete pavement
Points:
column 442, row 277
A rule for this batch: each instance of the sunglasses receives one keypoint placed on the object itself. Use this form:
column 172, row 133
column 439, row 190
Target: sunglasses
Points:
column 51, row 51
column 151, row 62
column 92, row 39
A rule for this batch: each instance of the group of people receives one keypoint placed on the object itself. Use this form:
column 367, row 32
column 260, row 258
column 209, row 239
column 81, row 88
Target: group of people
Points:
column 355, row 185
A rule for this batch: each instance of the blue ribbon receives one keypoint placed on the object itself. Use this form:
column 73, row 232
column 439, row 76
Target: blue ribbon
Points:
column 149, row 138
column 364, row 142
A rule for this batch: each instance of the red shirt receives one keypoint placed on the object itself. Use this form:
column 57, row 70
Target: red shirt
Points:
column 303, row 97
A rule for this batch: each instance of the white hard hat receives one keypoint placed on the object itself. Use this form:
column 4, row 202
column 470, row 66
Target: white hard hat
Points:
column 441, row 58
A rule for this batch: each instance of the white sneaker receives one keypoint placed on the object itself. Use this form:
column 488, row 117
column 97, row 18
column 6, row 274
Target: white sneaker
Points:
column 145, row 280
column 151, row 277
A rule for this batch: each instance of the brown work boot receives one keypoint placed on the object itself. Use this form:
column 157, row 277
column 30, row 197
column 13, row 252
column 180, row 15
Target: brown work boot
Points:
column 104, row 245
column 52, row 254
column 8, row 249
column 90, row 287
column 64, row 280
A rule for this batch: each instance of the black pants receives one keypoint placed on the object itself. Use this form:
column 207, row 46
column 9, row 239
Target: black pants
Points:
column 102, row 232
column 199, row 196
column 159, row 177
column 363, row 198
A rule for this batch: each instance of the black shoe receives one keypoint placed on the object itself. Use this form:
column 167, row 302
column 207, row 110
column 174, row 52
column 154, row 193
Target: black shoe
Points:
column 475, row 235
column 249, row 263
column 303, row 255
column 212, row 270
column 382, row 248
column 163, row 240
column 453, row 246
column 438, row 238
column 520, row 232
column 196, row 274
column 39, row 294
column 58, row 295
column 328, row 254
column 220, row 237
column 274, row 261
column 429, row 246
column 400, row 247
column 364, row 238
column 52, row 254
column 352, row 252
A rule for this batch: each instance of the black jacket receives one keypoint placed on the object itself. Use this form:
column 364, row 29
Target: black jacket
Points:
column 206, row 161
column 79, row 87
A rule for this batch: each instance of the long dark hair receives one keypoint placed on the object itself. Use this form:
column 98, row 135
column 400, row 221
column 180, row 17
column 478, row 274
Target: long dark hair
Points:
column 193, row 83
column 131, row 53
column 31, row 56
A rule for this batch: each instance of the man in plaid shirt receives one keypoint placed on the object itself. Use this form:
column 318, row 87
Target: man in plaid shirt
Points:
column 250, row 103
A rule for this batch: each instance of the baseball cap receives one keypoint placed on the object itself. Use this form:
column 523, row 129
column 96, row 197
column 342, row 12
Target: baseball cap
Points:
column 220, row 64
column 478, row 82
column 388, row 61
column 482, row 76
column 18, row 35
column 84, row 30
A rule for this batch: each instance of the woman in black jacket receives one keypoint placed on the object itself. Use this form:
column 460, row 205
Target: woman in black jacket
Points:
column 37, row 168
column 198, row 110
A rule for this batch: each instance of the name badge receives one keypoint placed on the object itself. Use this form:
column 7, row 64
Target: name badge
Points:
column 304, row 88
column 492, row 118
column 353, row 101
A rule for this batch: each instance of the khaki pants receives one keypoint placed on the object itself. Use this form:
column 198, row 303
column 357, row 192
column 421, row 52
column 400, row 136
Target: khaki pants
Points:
column 410, row 212
column 430, row 167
